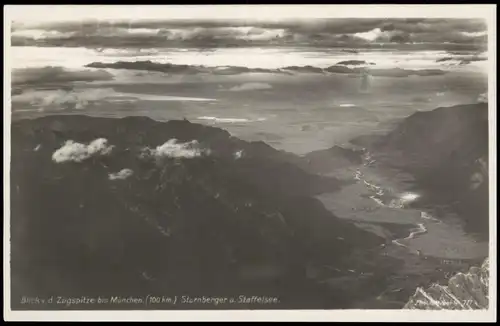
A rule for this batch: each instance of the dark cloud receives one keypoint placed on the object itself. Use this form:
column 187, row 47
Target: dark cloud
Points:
column 49, row 75
column 208, row 33
column 400, row 38
column 339, row 68
column 336, row 26
column 438, row 26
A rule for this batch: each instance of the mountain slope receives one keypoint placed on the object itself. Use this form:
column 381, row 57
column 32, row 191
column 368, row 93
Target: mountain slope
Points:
column 464, row 291
column 446, row 150
column 134, row 207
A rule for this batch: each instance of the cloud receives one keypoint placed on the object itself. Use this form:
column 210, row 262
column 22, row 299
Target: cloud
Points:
column 48, row 75
column 61, row 99
column 371, row 35
column 121, row 175
column 250, row 87
column 170, row 68
column 462, row 59
column 40, row 34
column 435, row 25
column 173, row 149
column 264, row 34
column 475, row 34
column 221, row 33
column 105, row 36
column 306, row 69
column 354, row 63
column 398, row 72
column 245, row 33
column 344, row 67
column 389, row 72
column 483, row 98
column 76, row 152
column 476, row 180
column 231, row 120
column 228, row 120
column 238, row 154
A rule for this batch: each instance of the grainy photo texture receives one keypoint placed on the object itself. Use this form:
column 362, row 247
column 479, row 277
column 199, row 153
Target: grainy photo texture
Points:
column 201, row 163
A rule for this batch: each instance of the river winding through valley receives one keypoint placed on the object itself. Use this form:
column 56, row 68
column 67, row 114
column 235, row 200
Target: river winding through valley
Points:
column 426, row 242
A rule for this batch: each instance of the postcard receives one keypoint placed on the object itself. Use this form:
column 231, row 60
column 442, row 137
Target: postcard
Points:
column 258, row 162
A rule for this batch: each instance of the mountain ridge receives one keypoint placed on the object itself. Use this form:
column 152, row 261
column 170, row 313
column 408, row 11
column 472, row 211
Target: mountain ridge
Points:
column 446, row 150
column 133, row 206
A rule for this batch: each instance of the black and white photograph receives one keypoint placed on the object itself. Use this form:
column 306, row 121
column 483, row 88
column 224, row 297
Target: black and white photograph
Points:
column 250, row 158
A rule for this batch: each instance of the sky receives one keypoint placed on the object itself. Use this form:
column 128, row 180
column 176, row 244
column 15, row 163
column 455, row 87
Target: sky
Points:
column 233, row 26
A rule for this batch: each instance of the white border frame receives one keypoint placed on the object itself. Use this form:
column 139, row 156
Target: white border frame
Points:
column 35, row 13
